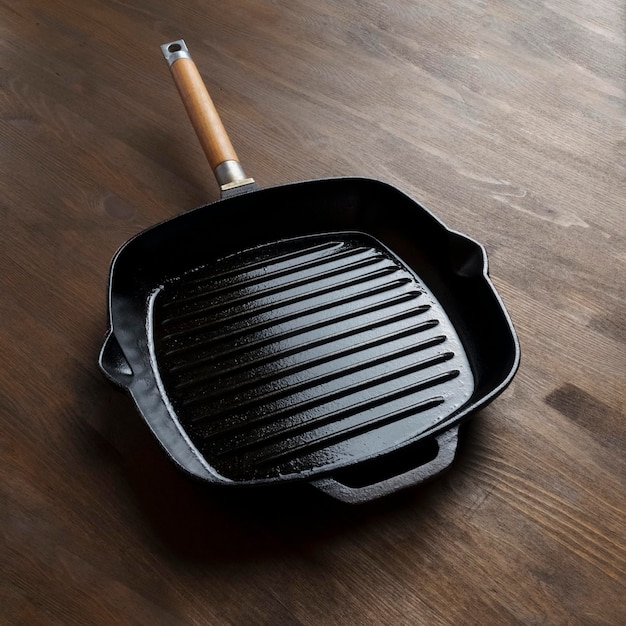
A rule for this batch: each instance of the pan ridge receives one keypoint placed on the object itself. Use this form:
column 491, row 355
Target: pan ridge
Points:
column 282, row 366
column 287, row 372
column 266, row 274
column 266, row 341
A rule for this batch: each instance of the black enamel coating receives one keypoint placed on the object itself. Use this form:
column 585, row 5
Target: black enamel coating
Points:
column 298, row 331
column 305, row 355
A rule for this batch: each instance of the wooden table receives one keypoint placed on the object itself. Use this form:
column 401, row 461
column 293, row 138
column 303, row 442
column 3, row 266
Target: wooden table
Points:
column 507, row 119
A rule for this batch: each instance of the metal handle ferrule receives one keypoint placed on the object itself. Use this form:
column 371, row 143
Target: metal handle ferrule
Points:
column 175, row 50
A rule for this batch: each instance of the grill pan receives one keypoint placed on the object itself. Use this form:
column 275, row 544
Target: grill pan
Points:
column 332, row 331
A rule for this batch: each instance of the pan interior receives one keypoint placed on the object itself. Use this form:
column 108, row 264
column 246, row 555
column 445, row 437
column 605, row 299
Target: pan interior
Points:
column 304, row 355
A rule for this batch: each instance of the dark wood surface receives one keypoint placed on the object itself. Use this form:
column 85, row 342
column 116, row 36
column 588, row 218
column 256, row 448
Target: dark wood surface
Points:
column 507, row 119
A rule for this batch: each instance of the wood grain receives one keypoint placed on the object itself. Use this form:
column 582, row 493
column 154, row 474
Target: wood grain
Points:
column 507, row 119
column 202, row 113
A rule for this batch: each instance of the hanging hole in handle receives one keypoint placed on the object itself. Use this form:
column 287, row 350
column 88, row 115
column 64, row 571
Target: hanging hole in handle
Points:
column 174, row 47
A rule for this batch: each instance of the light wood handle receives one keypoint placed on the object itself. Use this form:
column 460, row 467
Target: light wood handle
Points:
column 205, row 119
column 202, row 113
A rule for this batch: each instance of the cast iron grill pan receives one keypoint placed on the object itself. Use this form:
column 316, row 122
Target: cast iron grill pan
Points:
column 331, row 331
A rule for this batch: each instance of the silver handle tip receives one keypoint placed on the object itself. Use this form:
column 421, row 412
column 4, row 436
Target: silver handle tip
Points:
column 175, row 50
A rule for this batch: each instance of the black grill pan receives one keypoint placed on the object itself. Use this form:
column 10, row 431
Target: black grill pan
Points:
column 332, row 331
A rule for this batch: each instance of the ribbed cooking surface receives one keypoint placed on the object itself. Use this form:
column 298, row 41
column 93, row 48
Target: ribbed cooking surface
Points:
column 305, row 355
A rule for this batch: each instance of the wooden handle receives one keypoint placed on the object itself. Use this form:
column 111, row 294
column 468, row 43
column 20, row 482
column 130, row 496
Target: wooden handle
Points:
column 205, row 119
column 202, row 113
